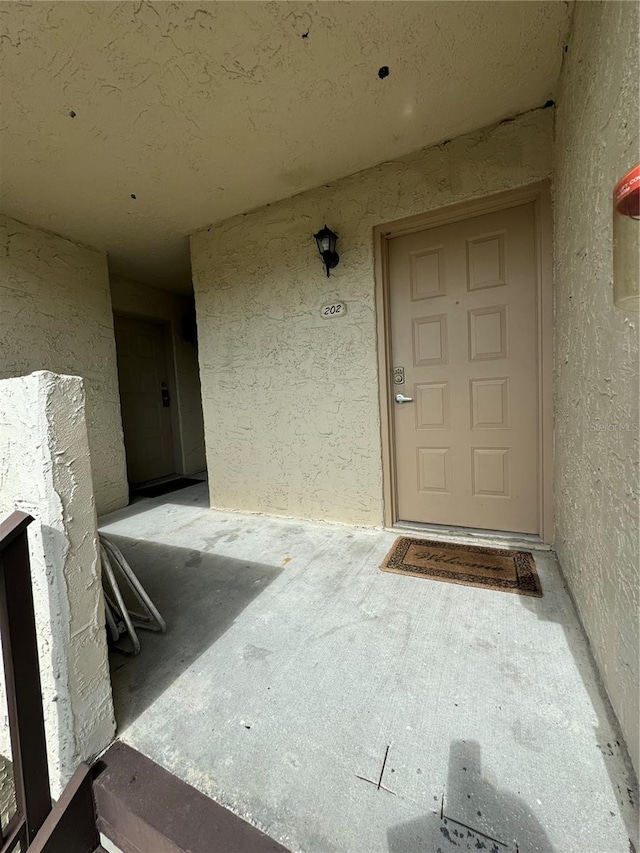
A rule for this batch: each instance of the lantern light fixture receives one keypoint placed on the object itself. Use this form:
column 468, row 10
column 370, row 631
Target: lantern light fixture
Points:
column 326, row 240
column 626, row 241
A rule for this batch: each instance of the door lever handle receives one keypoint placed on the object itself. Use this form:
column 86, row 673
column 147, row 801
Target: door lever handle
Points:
column 400, row 398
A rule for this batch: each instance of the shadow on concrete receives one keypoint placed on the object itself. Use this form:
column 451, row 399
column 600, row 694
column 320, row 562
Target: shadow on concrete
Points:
column 194, row 496
column 199, row 595
column 558, row 606
column 475, row 814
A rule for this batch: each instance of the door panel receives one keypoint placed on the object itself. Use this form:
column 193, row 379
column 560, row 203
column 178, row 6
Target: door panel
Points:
column 143, row 376
column 464, row 328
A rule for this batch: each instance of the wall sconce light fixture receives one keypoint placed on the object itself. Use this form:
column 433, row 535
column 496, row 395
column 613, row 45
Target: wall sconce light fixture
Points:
column 326, row 240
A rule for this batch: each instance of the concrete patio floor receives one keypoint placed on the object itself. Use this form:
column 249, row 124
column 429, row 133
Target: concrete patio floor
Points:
column 341, row 708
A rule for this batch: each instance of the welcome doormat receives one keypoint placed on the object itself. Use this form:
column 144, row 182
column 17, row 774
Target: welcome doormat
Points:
column 471, row 565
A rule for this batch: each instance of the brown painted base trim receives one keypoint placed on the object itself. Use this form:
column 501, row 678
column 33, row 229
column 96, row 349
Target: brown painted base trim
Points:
column 143, row 808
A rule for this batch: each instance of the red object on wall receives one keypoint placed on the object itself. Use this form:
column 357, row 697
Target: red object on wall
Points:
column 626, row 194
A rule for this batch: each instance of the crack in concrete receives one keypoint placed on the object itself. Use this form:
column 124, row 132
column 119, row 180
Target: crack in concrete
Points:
column 379, row 784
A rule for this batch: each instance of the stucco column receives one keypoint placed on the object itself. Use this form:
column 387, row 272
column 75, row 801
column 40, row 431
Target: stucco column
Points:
column 45, row 470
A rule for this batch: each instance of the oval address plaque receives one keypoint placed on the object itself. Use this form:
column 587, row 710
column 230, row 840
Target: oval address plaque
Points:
column 336, row 309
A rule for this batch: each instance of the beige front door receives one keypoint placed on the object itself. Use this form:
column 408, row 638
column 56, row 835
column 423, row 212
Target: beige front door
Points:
column 144, row 396
column 464, row 340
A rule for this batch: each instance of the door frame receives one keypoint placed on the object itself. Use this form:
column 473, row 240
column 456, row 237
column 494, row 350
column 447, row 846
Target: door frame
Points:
column 540, row 195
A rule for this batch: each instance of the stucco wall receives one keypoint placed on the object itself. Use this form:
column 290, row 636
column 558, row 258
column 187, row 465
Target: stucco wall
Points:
column 596, row 356
column 55, row 314
column 133, row 297
column 45, row 471
column 291, row 399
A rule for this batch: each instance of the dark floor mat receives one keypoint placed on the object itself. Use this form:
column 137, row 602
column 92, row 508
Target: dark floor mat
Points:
column 158, row 489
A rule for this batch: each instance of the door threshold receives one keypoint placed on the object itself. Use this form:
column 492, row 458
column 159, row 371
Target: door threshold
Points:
column 159, row 481
column 155, row 481
column 472, row 535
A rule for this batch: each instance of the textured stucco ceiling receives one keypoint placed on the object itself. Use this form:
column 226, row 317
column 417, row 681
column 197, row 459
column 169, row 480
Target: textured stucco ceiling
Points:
column 204, row 110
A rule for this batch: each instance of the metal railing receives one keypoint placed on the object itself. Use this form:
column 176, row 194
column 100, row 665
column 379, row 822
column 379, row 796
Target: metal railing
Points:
column 22, row 682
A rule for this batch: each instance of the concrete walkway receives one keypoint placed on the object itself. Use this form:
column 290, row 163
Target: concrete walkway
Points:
column 340, row 708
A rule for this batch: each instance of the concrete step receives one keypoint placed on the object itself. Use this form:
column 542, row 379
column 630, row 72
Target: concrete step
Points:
column 142, row 808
